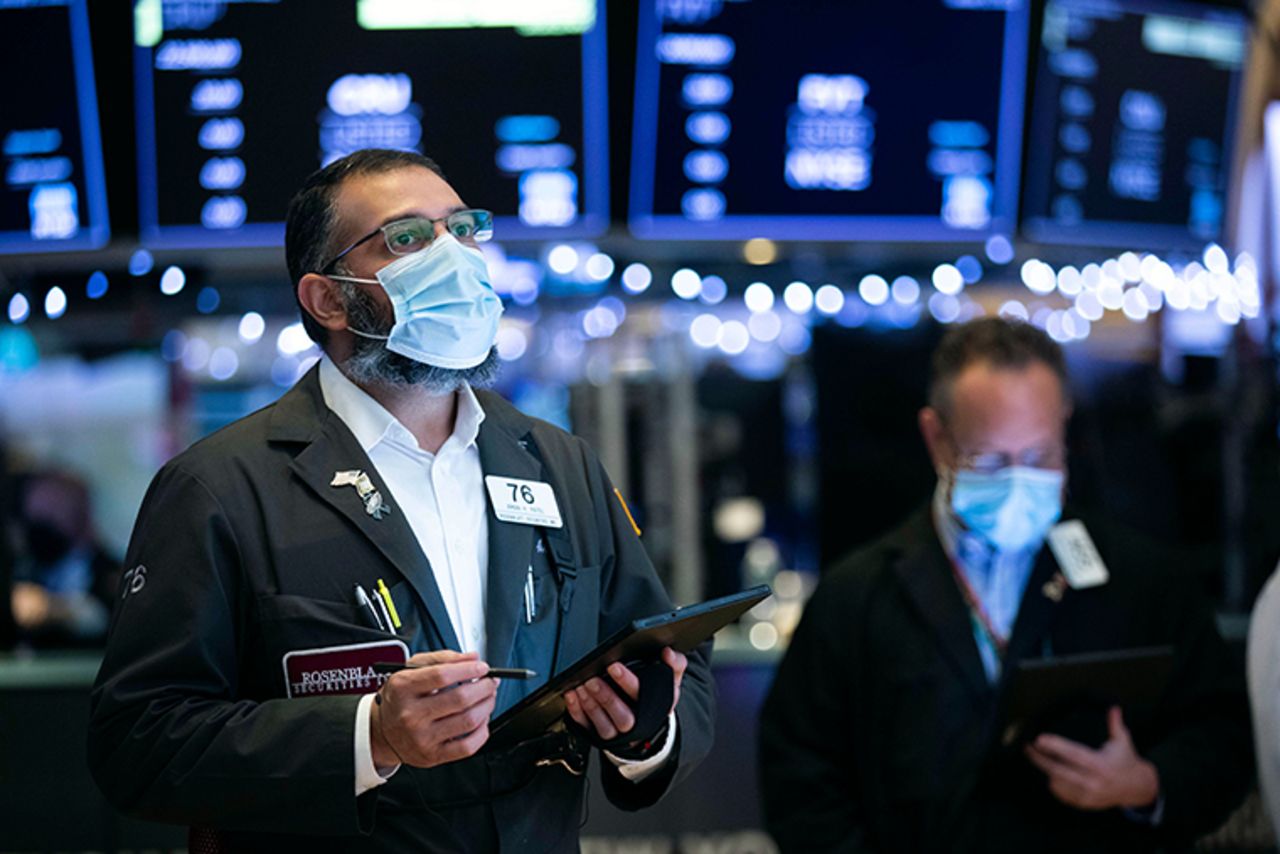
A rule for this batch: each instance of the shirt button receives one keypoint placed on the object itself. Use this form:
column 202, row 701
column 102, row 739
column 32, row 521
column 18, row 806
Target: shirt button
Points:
column 475, row 634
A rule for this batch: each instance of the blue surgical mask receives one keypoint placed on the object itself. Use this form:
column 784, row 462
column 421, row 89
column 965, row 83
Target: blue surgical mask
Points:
column 1012, row 509
column 446, row 311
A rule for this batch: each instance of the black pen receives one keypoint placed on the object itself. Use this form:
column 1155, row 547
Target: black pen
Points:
column 494, row 672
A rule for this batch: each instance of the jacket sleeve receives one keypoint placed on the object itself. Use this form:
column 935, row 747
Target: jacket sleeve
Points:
column 168, row 740
column 807, row 772
column 630, row 588
column 1205, row 757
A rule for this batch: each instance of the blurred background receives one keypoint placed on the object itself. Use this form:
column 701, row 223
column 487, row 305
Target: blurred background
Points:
column 729, row 233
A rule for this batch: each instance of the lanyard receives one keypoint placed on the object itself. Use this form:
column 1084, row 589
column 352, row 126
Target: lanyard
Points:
column 977, row 612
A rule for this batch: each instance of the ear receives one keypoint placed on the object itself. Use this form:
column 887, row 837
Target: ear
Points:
column 935, row 438
column 320, row 298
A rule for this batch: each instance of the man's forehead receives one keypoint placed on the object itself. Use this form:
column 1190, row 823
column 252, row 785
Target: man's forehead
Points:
column 985, row 391
column 985, row 376
column 367, row 201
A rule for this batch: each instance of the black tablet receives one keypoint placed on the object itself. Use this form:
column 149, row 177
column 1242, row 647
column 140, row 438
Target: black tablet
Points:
column 1070, row 694
column 681, row 629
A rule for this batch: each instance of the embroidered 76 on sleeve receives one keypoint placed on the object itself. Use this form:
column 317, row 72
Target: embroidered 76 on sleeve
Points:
column 133, row 582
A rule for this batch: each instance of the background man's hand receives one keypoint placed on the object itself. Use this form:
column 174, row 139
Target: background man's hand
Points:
column 31, row 604
column 434, row 714
column 1112, row 776
column 595, row 705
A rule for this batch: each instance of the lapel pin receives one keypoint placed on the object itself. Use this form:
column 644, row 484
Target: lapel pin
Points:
column 345, row 478
column 1055, row 587
column 374, row 504
column 363, row 485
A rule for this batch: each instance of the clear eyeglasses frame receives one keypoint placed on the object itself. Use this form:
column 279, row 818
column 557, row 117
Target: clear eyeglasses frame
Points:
column 415, row 233
column 992, row 462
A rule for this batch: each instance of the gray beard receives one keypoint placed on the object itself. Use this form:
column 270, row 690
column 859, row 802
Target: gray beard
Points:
column 371, row 363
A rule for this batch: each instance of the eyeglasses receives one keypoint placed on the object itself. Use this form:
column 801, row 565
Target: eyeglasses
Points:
column 991, row 462
column 415, row 233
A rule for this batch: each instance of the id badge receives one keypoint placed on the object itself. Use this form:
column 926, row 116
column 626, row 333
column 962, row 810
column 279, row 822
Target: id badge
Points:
column 524, row 502
column 1076, row 554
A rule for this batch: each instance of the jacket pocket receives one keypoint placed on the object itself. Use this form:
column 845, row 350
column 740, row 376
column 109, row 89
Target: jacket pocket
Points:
column 283, row 606
column 289, row 623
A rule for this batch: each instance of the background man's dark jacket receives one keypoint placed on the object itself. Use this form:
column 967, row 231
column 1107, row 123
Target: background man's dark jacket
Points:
column 879, row 733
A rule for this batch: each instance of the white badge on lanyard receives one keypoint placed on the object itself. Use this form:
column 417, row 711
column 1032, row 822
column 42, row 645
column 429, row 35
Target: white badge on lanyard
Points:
column 1077, row 555
column 525, row 502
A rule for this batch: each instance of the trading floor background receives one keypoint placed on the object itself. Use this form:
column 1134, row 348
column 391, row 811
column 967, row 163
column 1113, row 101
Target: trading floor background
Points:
column 728, row 235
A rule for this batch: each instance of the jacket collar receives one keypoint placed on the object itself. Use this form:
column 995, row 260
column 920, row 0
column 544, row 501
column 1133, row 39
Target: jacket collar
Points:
column 299, row 413
column 506, row 448
column 301, row 417
column 370, row 421
column 923, row 571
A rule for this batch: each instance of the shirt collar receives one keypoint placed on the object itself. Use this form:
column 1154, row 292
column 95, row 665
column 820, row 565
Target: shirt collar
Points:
column 466, row 425
column 371, row 423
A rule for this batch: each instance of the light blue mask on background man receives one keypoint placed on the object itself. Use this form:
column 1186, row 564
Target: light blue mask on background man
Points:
column 1012, row 509
column 446, row 311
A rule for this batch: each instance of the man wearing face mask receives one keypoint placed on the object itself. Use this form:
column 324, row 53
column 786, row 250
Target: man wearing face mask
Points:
column 881, row 732
column 63, row 579
column 386, row 510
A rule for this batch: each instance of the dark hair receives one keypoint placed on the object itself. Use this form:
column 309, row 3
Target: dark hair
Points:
column 308, row 229
column 999, row 342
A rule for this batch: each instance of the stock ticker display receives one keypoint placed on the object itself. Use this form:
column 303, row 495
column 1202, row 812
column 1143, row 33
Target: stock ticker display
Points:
column 238, row 101
column 1132, row 123
column 819, row 119
column 52, row 189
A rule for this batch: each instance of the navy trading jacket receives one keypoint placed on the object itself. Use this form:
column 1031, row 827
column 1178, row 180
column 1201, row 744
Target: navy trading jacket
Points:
column 882, row 734
column 244, row 552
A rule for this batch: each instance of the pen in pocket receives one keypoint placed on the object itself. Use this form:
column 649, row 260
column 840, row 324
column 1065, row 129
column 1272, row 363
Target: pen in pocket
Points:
column 530, row 604
column 388, row 605
column 366, row 605
column 387, row 623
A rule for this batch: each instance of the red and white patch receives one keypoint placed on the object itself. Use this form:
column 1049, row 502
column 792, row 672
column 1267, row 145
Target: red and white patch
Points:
column 339, row 669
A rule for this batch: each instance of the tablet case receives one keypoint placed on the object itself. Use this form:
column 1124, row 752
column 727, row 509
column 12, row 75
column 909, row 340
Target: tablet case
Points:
column 1069, row 695
column 681, row 629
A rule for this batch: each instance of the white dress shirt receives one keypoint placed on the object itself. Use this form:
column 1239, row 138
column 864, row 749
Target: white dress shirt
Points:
column 442, row 497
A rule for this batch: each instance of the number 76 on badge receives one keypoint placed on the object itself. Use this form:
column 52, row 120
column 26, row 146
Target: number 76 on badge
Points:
column 524, row 502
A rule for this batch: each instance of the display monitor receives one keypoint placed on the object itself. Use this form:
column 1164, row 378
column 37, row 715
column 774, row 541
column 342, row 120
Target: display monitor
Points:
column 1132, row 123
column 824, row 120
column 52, row 191
column 238, row 101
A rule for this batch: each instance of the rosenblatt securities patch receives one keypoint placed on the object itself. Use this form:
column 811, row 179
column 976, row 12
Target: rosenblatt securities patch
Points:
column 339, row 669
